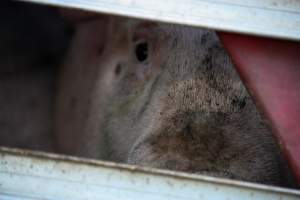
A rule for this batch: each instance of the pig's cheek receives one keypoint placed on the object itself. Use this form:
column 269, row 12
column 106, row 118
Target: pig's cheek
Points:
column 157, row 58
column 148, row 70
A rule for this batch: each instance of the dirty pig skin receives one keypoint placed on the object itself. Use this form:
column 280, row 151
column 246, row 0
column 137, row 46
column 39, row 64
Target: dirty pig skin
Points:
column 163, row 96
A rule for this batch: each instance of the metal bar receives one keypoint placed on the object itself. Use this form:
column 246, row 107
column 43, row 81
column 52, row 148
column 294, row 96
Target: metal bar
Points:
column 33, row 176
column 271, row 71
column 272, row 18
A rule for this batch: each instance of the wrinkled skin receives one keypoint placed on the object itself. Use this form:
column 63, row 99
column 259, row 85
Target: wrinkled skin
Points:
column 182, row 108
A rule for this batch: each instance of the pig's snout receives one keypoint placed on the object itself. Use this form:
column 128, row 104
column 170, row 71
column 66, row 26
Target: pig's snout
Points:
column 209, row 143
column 184, row 145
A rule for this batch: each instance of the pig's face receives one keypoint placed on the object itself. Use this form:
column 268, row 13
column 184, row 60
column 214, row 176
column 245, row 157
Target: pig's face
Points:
column 177, row 103
column 171, row 99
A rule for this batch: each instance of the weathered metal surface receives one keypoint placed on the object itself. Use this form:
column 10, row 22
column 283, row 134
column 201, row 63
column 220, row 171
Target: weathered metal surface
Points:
column 274, row 18
column 28, row 175
column 271, row 71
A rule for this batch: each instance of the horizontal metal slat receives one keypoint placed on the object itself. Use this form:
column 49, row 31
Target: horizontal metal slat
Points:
column 26, row 175
column 272, row 18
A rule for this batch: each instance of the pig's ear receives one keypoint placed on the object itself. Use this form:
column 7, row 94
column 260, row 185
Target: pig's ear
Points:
column 90, row 27
column 75, row 16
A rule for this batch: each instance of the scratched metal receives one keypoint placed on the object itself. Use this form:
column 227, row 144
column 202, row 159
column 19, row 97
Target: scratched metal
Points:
column 273, row 18
column 26, row 175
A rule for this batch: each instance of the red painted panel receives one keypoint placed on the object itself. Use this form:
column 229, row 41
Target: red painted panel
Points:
column 271, row 71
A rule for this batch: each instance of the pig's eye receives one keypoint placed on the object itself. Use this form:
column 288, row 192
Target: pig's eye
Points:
column 141, row 51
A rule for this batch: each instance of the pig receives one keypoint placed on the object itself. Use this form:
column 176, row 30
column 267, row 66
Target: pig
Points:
column 163, row 96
